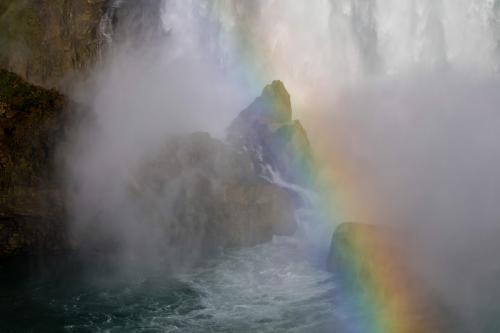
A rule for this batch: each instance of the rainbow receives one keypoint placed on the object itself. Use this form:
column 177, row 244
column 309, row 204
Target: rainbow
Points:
column 375, row 285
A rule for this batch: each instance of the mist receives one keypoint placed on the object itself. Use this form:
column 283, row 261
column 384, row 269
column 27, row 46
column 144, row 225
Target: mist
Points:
column 145, row 92
column 421, row 154
column 402, row 94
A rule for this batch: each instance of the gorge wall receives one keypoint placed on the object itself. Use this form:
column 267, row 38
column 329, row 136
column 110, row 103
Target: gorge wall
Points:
column 32, row 125
column 49, row 42
column 55, row 43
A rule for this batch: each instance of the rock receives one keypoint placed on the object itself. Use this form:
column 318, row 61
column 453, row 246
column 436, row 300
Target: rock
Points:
column 31, row 204
column 267, row 131
column 135, row 23
column 274, row 205
column 46, row 41
column 364, row 244
column 205, row 195
column 292, row 153
column 31, row 125
column 31, row 236
column 54, row 44
column 272, row 109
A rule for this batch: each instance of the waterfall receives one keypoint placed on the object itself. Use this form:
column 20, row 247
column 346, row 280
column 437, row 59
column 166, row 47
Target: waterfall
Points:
column 318, row 49
column 327, row 44
column 106, row 26
column 310, row 45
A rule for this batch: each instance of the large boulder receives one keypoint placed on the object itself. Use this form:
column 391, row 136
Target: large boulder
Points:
column 364, row 247
column 208, row 194
column 204, row 195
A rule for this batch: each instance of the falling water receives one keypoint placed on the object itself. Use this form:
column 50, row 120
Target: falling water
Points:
column 330, row 43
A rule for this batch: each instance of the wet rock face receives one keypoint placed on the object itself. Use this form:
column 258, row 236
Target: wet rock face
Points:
column 276, row 142
column 54, row 43
column 31, row 124
column 135, row 23
column 47, row 41
column 31, row 236
column 31, row 205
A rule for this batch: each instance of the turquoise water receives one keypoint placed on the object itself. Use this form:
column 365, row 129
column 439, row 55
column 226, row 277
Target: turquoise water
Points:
column 269, row 288
column 276, row 287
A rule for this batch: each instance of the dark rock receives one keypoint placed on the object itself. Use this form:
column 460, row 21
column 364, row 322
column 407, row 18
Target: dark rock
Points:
column 364, row 244
column 46, row 41
column 55, row 43
column 206, row 196
column 31, row 236
column 272, row 109
column 31, row 206
column 274, row 140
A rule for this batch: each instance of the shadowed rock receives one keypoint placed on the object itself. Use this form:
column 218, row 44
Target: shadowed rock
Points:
column 56, row 43
column 276, row 142
column 204, row 195
column 32, row 122
column 46, row 41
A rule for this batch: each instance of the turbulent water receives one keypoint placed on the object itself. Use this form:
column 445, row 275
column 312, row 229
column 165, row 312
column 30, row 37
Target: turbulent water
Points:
column 268, row 288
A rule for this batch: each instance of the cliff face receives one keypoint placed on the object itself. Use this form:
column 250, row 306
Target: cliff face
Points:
column 54, row 42
column 31, row 209
column 47, row 41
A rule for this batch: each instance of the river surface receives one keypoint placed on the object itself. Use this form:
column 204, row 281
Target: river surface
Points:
column 272, row 287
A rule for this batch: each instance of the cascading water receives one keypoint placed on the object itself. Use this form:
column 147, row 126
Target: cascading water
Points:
column 106, row 26
column 329, row 44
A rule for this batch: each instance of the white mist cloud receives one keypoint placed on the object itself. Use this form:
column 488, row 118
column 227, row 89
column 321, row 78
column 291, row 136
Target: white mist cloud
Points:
column 425, row 147
column 139, row 97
